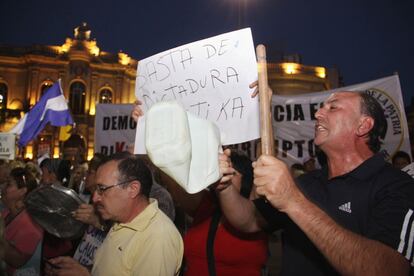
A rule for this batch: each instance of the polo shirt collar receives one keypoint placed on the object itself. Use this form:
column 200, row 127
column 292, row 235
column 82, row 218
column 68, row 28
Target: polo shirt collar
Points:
column 370, row 167
column 367, row 169
column 140, row 222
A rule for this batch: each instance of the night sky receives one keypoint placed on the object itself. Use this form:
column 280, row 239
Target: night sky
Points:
column 364, row 39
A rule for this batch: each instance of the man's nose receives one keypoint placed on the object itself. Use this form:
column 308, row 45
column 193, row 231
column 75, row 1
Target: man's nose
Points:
column 319, row 113
column 96, row 197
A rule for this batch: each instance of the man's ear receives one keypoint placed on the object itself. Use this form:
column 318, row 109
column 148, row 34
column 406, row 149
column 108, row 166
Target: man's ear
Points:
column 135, row 188
column 365, row 125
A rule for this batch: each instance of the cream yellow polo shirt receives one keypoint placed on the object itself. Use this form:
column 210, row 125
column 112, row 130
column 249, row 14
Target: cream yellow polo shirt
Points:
column 149, row 245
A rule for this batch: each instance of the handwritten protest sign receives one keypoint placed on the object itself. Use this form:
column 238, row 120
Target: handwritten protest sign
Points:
column 114, row 128
column 210, row 78
column 7, row 146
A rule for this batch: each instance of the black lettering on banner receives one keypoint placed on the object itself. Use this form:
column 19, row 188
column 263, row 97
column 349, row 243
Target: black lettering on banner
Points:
column 123, row 122
column 288, row 113
column 392, row 114
column 299, row 145
column 106, row 123
column 278, row 113
column 109, row 150
column 298, row 113
column 286, row 146
column 313, row 108
column 104, row 150
column 311, row 148
column 296, row 146
column 114, row 123
column 132, row 123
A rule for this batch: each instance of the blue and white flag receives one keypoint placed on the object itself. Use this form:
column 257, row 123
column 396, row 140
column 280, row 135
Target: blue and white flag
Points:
column 51, row 108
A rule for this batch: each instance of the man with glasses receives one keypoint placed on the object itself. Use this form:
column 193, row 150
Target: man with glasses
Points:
column 143, row 240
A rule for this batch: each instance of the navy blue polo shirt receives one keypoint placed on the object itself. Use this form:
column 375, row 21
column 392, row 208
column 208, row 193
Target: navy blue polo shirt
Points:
column 374, row 200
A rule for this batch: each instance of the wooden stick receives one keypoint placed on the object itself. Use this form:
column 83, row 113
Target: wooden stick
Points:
column 266, row 130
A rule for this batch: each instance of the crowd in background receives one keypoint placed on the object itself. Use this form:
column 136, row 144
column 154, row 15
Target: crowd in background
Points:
column 19, row 178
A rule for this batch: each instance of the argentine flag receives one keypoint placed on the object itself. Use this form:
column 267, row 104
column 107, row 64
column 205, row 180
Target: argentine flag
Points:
column 51, row 108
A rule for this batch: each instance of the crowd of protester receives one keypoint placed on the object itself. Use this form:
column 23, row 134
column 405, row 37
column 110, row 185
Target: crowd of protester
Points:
column 132, row 212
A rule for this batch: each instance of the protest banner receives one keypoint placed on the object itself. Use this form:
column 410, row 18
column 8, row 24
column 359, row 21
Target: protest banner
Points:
column 210, row 78
column 7, row 146
column 293, row 119
column 114, row 128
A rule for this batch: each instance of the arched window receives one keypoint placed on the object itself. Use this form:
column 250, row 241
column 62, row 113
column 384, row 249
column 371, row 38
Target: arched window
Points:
column 77, row 98
column 45, row 87
column 105, row 96
column 3, row 95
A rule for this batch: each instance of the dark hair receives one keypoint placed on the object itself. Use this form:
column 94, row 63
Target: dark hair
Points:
column 23, row 179
column 401, row 154
column 97, row 160
column 131, row 168
column 243, row 165
column 61, row 168
column 50, row 165
column 371, row 108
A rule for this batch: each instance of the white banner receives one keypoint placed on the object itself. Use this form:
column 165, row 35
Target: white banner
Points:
column 293, row 119
column 7, row 146
column 210, row 78
column 114, row 128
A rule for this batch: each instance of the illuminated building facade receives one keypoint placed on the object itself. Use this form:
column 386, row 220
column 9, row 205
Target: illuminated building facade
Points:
column 91, row 76
column 288, row 76
column 88, row 76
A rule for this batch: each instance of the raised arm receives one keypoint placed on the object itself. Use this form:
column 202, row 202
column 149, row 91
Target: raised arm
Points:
column 188, row 202
column 239, row 211
column 348, row 253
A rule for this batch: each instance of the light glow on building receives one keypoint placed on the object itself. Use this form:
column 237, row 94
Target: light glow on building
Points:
column 123, row 58
column 290, row 68
column 320, row 72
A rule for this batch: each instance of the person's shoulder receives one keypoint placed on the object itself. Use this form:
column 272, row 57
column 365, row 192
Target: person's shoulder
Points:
column 390, row 175
column 392, row 182
column 160, row 220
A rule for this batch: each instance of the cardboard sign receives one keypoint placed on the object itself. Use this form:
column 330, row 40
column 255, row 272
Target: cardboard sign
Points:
column 210, row 78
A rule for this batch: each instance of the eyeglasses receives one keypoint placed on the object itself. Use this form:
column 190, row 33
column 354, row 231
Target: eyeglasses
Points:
column 100, row 189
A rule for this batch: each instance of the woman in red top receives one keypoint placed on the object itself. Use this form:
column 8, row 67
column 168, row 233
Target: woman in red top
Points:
column 229, row 252
column 22, row 235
